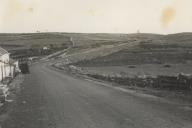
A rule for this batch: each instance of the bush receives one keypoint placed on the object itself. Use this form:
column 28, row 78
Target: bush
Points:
column 132, row 66
column 167, row 66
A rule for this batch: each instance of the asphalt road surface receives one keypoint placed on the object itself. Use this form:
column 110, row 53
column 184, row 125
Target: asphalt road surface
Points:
column 54, row 99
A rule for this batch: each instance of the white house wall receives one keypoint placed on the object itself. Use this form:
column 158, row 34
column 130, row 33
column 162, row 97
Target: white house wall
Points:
column 5, row 58
column 6, row 70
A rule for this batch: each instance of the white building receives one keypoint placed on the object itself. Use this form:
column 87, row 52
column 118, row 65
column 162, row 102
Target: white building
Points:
column 7, row 68
column 45, row 48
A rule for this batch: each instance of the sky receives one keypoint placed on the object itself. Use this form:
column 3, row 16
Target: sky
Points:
column 96, row 16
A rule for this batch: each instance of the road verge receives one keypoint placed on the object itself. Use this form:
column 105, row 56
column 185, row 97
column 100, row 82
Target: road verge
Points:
column 12, row 88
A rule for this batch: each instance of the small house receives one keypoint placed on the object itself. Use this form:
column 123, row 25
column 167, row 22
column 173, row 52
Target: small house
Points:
column 7, row 66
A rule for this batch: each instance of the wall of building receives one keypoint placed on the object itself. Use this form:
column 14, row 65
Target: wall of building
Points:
column 6, row 69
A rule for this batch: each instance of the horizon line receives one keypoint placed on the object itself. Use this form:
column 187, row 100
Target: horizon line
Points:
column 92, row 33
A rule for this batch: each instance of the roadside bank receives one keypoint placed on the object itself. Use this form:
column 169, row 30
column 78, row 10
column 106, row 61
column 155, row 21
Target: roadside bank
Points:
column 11, row 88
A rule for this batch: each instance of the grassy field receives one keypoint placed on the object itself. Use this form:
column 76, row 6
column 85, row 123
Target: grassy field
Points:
column 24, row 45
column 146, row 49
column 101, row 49
column 33, row 39
column 135, row 57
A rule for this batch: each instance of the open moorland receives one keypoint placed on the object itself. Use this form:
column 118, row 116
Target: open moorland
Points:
column 147, row 49
column 25, row 45
column 100, row 49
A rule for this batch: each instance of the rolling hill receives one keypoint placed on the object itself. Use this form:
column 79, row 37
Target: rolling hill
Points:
column 103, row 48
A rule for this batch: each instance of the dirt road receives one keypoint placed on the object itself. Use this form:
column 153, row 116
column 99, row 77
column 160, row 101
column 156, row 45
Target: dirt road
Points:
column 54, row 99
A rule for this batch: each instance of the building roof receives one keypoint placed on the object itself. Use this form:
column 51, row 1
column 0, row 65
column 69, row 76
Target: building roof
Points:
column 12, row 61
column 2, row 51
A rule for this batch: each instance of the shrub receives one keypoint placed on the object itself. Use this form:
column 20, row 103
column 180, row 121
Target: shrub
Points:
column 167, row 66
column 132, row 66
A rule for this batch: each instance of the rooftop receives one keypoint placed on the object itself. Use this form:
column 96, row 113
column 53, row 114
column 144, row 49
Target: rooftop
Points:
column 2, row 51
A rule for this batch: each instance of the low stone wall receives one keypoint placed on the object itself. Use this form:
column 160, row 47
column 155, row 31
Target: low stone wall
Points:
column 180, row 82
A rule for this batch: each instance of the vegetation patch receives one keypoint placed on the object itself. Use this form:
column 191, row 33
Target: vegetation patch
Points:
column 167, row 66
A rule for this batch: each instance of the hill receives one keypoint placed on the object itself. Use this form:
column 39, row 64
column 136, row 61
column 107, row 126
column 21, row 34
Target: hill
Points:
column 147, row 49
column 103, row 48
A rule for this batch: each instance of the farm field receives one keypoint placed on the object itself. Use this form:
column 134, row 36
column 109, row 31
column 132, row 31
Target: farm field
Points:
column 135, row 56
column 102, row 49
column 30, row 39
column 89, row 41
column 127, row 49
column 31, row 44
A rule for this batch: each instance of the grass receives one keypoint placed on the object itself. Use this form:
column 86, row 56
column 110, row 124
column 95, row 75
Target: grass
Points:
column 25, row 45
column 149, row 48
column 33, row 39
column 135, row 57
